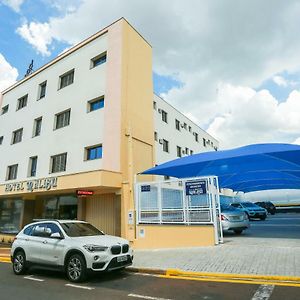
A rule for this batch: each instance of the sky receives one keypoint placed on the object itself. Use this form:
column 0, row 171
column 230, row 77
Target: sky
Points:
column 233, row 67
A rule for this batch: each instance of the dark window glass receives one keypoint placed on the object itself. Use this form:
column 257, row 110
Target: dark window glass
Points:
column 191, row 152
column 66, row 79
column 177, row 124
column 10, row 212
column 33, row 166
column 187, row 151
column 12, row 172
column 62, row 119
column 37, row 127
column 96, row 104
column 179, row 153
column 196, row 137
column 164, row 116
column 80, row 229
column 22, row 102
column 165, row 146
column 204, row 142
column 28, row 230
column 17, row 136
column 94, row 152
column 99, row 60
column 1, row 140
column 60, row 207
column 4, row 109
column 53, row 228
column 155, row 135
column 42, row 89
column 154, row 105
column 58, row 163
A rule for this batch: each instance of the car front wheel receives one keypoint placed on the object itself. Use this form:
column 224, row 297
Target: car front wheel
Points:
column 76, row 268
column 19, row 263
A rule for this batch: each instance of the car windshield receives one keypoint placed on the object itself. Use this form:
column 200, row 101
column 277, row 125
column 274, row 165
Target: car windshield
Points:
column 80, row 229
column 249, row 204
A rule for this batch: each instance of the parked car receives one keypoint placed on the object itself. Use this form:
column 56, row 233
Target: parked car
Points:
column 76, row 247
column 233, row 219
column 252, row 210
column 269, row 206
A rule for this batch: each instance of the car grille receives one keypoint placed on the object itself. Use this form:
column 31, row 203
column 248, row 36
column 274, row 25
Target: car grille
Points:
column 115, row 249
column 125, row 248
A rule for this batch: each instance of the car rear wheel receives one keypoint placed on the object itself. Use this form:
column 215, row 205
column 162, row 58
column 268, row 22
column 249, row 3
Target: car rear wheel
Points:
column 19, row 263
column 76, row 268
column 238, row 231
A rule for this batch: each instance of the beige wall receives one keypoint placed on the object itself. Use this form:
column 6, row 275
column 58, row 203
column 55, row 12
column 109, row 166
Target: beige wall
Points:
column 173, row 236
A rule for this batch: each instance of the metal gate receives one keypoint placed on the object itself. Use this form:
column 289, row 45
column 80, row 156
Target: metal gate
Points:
column 180, row 201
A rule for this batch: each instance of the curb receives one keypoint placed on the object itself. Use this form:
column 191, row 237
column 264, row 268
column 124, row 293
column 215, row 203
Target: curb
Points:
column 5, row 259
column 221, row 277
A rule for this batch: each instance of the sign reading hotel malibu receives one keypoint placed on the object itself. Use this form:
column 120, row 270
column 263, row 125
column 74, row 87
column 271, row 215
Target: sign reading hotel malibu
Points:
column 32, row 185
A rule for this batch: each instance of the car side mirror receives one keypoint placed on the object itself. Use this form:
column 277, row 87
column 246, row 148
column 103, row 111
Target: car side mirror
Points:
column 56, row 235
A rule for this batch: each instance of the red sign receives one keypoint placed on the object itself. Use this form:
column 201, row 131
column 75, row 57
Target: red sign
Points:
column 84, row 193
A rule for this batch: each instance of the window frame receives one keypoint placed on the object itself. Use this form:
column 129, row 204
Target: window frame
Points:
column 97, row 60
column 4, row 109
column 61, row 78
column 1, row 139
column 62, row 113
column 87, row 156
column 64, row 156
column 178, row 151
column 35, row 127
column 166, row 146
column 164, row 116
column 40, row 95
column 100, row 99
column 30, row 168
column 14, row 135
column 22, row 102
column 12, row 174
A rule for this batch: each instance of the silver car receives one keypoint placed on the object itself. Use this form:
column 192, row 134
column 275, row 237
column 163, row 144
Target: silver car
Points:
column 233, row 219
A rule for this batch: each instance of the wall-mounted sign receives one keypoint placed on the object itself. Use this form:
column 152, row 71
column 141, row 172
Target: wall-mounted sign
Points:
column 32, row 185
column 84, row 193
column 145, row 188
column 195, row 187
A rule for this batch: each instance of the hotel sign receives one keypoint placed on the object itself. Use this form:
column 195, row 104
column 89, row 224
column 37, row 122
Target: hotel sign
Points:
column 32, row 185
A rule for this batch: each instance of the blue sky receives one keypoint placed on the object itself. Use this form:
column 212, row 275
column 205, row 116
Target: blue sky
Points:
column 253, row 66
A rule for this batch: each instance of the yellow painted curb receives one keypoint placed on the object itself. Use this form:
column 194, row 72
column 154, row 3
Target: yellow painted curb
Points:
column 5, row 259
column 177, row 273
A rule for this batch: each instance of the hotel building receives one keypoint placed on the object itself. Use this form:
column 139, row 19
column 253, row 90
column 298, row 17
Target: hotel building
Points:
column 75, row 132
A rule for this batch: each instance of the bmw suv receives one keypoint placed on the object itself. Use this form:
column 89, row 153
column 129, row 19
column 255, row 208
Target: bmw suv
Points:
column 76, row 247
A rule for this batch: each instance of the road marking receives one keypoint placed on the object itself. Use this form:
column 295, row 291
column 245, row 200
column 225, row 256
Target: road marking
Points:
column 264, row 292
column 80, row 286
column 34, row 279
column 147, row 297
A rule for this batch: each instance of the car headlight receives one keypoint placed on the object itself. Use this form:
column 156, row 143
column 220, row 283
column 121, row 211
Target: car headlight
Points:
column 95, row 248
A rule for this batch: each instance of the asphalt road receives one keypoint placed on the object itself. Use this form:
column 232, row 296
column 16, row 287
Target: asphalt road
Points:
column 46, row 285
column 279, row 226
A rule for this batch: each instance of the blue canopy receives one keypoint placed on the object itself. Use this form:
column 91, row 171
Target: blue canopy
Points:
column 249, row 168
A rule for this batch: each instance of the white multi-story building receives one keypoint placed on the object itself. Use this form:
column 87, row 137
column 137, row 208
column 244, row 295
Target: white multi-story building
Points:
column 83, row 125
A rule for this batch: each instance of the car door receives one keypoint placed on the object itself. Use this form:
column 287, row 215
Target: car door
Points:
column 52, row 249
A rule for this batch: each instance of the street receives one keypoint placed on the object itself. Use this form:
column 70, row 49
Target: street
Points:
column 125, row 285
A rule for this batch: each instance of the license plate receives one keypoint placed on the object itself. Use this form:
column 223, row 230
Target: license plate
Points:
column 121, row 258
column 235, row 218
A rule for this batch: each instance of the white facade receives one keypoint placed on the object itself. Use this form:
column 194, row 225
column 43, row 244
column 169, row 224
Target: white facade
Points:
column 185, row 137
column 85, row 128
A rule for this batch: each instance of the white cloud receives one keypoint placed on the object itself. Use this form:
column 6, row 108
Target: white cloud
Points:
column 38, row 35
column 8, row 74
column 220, row 51
column 13, row 4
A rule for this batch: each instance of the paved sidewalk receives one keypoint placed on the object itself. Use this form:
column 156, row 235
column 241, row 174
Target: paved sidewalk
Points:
column 278, row 258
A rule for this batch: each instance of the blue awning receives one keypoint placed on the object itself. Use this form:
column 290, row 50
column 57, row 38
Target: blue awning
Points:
column 249, row 168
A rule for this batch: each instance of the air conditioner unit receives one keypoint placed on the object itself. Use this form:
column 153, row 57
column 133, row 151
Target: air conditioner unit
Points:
column 160, row 141
column 159, row 111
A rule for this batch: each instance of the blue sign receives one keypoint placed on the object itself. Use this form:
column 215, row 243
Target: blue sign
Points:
column 145, row 188
column 195, row 187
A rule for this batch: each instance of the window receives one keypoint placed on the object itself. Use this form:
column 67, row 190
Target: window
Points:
column 32, row 166
column 42, row 90
column 165, row 146
column 37, row 126
column 98, row 60
column 10, row 212
column 179, row 151
column 1, row 139
column 154, row 105
column 17, row 136
column 164, row 116
column 94, row 152
column 204, row 142
column 4, row 109
column 58, row 163
column 12, row 172
column 155, row 135
column 22, row 102
column 62, row 119
column 191, row 152
column 66, row 79
column 166, row 177
column 184, row 125
column 190, row 129
column 186, row 151
column 96, row 104
column 196, row 137
column 177, row 124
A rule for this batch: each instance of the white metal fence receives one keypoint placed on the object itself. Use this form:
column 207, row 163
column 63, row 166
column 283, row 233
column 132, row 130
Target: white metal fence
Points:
column 180, row 201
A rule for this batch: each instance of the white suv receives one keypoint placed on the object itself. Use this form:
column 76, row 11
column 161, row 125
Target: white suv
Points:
column 73, row 246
